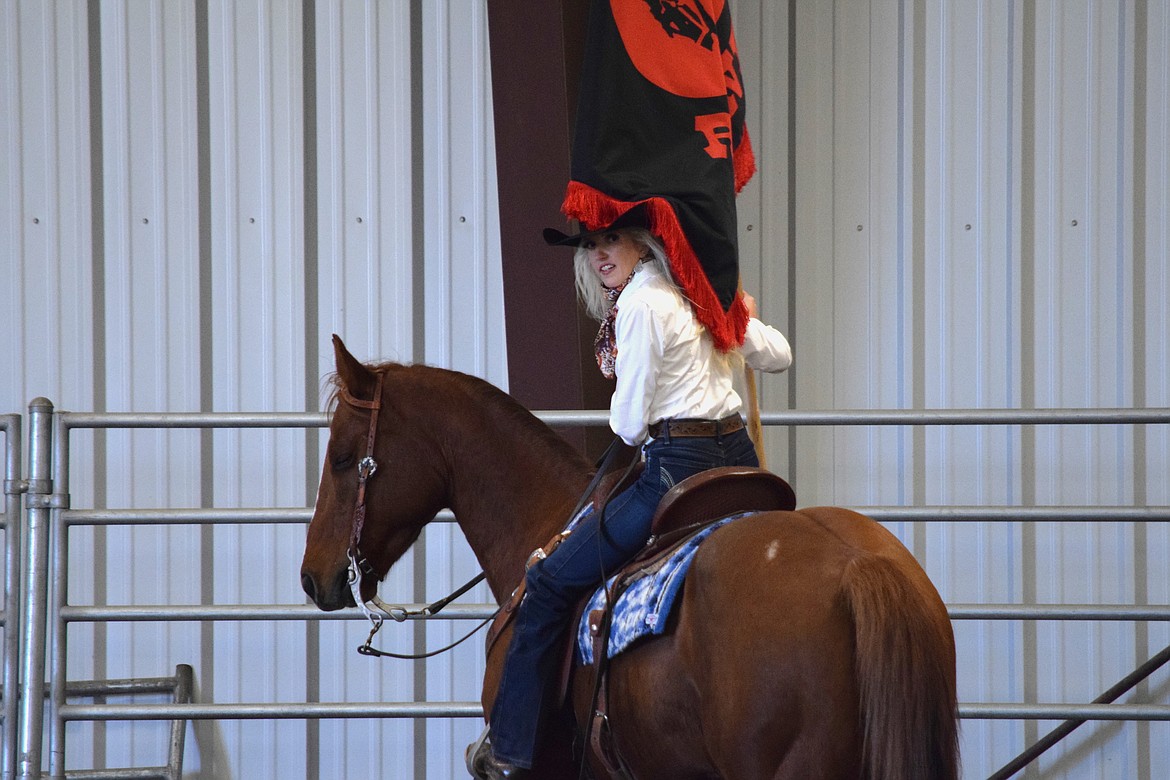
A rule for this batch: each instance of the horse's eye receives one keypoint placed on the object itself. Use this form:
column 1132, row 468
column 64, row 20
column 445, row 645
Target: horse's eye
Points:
column 343, row 461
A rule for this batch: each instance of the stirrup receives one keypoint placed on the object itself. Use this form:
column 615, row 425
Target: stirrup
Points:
column 473, row 750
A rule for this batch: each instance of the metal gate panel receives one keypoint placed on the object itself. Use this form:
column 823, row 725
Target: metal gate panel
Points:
column 10, row 610
column 282, row 711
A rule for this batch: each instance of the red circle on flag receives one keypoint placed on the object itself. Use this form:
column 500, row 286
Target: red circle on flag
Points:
column 673, row 43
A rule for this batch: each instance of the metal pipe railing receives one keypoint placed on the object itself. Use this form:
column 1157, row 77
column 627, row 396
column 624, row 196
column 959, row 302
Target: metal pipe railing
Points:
column 1120, row 688
column 279, row 711
column 320, row 710
column 885, row 514
column 916, row 417
column 467, row 611
column 181, row 687
column 35, row 619
column 50, row 519
column 14, row 488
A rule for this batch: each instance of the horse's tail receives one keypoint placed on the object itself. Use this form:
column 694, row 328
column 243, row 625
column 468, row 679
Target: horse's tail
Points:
column 905, row 668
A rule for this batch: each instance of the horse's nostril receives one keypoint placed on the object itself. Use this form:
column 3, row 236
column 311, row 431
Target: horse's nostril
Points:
column 342, row 589
column 310, row 586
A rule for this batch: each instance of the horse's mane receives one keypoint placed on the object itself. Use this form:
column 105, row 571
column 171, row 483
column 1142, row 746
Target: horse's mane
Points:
column 486, row 396
column 510, row 410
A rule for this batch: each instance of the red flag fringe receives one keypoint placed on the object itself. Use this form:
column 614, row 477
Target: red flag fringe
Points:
column 594, row 209
column 744, row 162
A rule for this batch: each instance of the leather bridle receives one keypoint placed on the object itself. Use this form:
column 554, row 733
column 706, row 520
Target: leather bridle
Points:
column 360, row 566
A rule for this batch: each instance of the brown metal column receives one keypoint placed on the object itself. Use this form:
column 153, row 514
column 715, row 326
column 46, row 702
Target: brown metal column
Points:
column 536, row 50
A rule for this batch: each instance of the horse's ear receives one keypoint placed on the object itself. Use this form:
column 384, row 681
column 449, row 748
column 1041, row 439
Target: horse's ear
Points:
column 356, row 378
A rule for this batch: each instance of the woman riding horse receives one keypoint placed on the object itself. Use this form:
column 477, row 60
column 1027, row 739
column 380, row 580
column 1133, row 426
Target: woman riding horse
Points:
column 674, row 397
column 804, row 643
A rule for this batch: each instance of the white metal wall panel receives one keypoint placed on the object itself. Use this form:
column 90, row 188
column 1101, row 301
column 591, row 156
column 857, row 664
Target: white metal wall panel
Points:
column 181, row 127
column 967, row 300
column 364, row 143
column 1080, row 321
column 195, row 195
column 942, row 152
column 367, row 277
column 464, row 279
column 147, row 276
column 256, row 362
column 866, row 230
column 1152, row 290
column 46, row 212
column 762, row 35
column 982, row 155
column 813, row 316
column 45, row 208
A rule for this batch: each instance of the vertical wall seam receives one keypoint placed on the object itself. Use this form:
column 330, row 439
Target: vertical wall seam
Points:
column 918, row 260
column 417, row 172
column 311, row 336
column 97, row 206
column 793, row 278
column 1027, row 336
column 206, row 731
column 900, row 259
column 418, row 318
column 1138, row 281
column 1010, row 291
column 98, row 302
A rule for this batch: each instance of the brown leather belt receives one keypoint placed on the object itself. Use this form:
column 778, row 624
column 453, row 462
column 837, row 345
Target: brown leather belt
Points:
column 683, row 426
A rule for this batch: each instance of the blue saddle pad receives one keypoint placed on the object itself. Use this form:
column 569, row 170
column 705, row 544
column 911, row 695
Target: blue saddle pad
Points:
column 643, row 608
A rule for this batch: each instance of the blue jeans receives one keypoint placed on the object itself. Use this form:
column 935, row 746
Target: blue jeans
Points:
column 558, row 583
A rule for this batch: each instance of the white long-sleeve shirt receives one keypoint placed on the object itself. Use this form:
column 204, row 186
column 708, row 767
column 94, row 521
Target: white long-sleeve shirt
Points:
column 667, row 365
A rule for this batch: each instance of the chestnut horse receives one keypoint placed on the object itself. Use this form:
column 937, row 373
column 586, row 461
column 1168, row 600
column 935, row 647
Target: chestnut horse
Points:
column 805, row 644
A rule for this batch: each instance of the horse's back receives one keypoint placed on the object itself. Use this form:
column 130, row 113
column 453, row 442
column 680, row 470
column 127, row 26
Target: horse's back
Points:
column 757, row 675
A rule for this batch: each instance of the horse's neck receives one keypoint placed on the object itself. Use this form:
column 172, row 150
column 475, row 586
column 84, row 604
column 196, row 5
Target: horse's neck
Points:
column 512, row 490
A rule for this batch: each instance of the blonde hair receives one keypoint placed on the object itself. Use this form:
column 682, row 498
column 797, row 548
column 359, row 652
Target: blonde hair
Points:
column 590, row 291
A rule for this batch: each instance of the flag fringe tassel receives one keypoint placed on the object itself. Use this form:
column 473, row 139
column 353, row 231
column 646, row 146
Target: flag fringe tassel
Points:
column 593, row 208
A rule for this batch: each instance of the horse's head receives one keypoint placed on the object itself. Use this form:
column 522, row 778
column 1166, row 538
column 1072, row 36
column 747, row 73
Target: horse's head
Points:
column 382, row 481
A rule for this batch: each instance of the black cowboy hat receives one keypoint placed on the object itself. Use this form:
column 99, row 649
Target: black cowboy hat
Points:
column 635, row 216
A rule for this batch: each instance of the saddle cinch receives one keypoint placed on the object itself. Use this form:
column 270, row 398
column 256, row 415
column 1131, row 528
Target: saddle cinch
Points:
column 686, row 510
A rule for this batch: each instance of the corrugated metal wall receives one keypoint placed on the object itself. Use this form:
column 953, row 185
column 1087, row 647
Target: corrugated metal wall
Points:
column 959, row 204
column 196, row 194
column 974, row 200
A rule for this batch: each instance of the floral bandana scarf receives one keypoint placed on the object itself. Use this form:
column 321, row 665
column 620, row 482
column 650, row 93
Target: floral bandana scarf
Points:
column 605, row 344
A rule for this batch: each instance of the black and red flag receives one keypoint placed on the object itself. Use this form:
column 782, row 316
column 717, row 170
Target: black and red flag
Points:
column 660, row 121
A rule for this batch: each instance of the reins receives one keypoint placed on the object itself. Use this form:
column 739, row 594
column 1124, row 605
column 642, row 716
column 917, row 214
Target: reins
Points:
column 597, row 718
column 399, row 615
column 360, row 566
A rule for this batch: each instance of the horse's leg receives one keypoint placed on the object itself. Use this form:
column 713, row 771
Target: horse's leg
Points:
column 554, row 755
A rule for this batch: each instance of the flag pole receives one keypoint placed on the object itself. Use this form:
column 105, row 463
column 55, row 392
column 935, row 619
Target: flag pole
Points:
column 755, row 426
